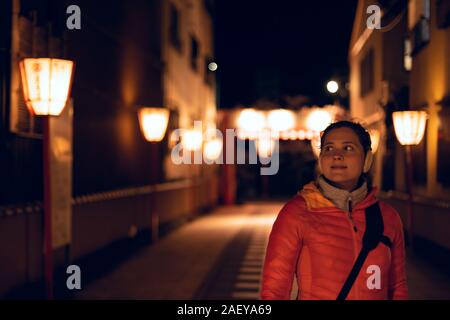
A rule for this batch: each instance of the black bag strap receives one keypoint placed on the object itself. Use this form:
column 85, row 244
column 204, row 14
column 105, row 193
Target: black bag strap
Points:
column 372, row 236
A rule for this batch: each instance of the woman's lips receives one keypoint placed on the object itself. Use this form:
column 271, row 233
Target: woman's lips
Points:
column 338, row 167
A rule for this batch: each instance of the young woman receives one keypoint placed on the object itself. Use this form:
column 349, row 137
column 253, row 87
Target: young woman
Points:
column 318, row 235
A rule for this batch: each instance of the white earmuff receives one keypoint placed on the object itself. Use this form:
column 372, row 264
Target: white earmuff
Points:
column 368, row 161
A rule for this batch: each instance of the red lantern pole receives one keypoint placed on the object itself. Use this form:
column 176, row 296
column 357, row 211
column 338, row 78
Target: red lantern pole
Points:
column 409, row 184
column 48, row 245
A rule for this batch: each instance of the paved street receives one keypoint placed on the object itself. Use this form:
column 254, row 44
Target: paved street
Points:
column 220, row 256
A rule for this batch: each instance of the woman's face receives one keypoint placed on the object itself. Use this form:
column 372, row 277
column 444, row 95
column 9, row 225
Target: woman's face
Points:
column 342, row 158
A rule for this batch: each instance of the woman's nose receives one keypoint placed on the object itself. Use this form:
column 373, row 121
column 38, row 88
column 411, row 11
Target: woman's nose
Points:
column 338, row 156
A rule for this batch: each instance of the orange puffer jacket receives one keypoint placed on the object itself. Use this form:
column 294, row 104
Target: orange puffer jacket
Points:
column 314, row 240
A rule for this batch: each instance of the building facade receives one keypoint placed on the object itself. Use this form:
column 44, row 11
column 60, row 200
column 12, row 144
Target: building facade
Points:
column 148, row 53
column 404, row 65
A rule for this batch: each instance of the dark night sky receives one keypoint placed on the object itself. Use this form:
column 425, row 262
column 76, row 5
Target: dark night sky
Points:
column 301, row 43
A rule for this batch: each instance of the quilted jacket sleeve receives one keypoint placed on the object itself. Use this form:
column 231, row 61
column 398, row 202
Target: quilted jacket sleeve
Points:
column 285, row 243
column 398, row 289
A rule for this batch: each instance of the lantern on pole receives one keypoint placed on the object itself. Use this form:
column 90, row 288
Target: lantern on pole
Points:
column 46, row 83
column 192, row 139
column 153, row 123
column 409, row 128
column 213, row 149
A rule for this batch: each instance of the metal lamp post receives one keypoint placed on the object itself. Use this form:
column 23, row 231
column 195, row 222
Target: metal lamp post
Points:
column 46, row 84
column 409, row 128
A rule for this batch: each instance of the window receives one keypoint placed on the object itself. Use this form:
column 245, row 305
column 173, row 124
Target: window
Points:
column 407, row 59
column 419, row 24
column 174, row 28
column 367, row 73
column 194, row 53
column 443, row 13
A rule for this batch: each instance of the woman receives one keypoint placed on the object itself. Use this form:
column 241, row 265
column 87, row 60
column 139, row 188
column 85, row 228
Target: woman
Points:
column 318, row 235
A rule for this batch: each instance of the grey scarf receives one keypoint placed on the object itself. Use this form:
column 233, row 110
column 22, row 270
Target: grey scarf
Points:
column 343, row 199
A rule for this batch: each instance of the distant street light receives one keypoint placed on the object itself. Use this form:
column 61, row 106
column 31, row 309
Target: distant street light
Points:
column 153, row 123
column 332, row 86
column 409, row 128
column 281, row 120
column 212, row 66
column 250, row 120
column 318, row 120
column 265, row 145
column 192, row 139
column 213, row 149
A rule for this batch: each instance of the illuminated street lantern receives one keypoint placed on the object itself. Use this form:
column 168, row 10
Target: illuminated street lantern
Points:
column 265, row 145
column 281, row 120
column 375, row 139
column 251, row 120
column 213, row 149
column 192, row 139
column 318, row 120
column 409, row 126
column 153, row 123
column 46, row 84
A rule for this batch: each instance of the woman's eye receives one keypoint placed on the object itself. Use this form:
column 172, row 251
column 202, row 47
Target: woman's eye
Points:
column 348, row 148
column 328, row 148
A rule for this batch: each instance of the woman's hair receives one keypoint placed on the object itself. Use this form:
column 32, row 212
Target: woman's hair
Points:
column 363, row 135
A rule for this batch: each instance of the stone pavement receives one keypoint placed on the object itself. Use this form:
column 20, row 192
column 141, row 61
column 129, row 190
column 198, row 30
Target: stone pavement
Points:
column 220, row 256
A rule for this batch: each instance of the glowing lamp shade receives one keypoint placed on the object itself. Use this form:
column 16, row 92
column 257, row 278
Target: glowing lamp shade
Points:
column 265, row 147
column 409, row 126
column 153, row 122
column 251, row 120
column 318, row 120
column 46, row 84
column 213, row 149
column 375, row 139
column 281, row 120
column 192, row 139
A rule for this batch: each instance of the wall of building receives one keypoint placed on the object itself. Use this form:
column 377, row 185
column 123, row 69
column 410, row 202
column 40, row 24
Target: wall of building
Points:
column 120, row 66
column 430, row 84
column 186, row 89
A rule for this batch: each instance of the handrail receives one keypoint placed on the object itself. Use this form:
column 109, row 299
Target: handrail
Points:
column 422, row 200
column 36, row 206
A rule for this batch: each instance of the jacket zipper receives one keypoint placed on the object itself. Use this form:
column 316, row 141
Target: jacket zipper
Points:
column 350, row 214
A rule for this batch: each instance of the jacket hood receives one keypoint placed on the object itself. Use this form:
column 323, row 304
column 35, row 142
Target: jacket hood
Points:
column 316, row 201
